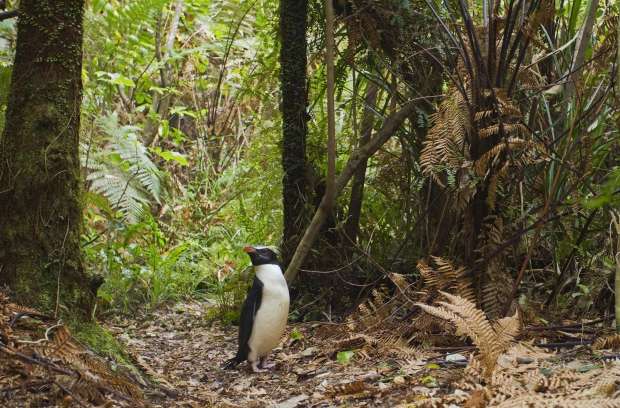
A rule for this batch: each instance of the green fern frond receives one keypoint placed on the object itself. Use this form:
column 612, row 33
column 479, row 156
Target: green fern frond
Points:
column 123, row 172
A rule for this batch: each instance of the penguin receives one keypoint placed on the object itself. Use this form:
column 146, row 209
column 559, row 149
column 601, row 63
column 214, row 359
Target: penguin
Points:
column 265, row 311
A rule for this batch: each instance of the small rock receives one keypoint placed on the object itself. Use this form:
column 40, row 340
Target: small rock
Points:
column 399, row 380
column 524, row 360
column 456, row 358
column 574, row 365
column 370, row 376
column 309, row 351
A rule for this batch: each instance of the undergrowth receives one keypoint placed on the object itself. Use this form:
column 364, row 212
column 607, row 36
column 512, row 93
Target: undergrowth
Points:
column 102, row 342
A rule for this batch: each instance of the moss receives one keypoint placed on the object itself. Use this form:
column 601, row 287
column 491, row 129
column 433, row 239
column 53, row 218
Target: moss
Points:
column 39, row 162
column 227, row 317
column 102, row 342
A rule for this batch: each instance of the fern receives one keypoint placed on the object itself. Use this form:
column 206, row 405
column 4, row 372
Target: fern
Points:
column 445, row 276
column 492, row 338
column 607, row 342
column 57, row 357
column 123, row 171
column 127, row 17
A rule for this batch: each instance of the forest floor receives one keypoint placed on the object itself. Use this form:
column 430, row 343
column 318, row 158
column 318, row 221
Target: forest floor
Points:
column 179, row 355
column 183, row 353
column 321, row 365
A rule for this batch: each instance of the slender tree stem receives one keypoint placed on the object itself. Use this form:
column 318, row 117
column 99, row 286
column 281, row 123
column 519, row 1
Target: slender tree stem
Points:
column 331, row 111
column 391, row 125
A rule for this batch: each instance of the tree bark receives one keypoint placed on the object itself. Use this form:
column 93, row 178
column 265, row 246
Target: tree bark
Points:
column 359, row 156
column 293, row 61
column 40, row 211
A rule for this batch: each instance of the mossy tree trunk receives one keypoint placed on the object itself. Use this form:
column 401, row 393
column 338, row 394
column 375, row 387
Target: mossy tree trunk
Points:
column 40, row 217
column 293, row 60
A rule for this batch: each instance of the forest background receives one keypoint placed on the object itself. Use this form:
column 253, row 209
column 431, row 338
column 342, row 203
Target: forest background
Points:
column 431, row 170
column 481, row 139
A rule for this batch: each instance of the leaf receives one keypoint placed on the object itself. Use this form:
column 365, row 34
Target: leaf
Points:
column 119, row 79
column 158, row 90
column 292, row 402
column 296, row 335
column 115, row 78
column 588, row 367
column 170, row 155
column 344, row 357
column 429, row 381
column 123, row 171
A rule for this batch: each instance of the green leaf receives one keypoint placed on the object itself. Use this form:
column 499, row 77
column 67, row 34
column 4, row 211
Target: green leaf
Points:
column 344, row 357
column 157, row 89
column 99, row 201
column 588, row 367
column 429, row 381
column 296, row 335
column 119, row 79
column 169, row 155
column 608, row 194
column 115, row 79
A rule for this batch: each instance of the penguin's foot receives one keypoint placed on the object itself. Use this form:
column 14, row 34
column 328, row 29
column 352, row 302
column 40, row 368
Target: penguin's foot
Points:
column 230, row 364
column 264, row 364
column 255, row 367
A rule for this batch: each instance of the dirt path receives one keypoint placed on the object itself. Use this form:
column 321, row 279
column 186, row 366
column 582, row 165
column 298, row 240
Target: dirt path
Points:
column 321, row 365
column 177, row 348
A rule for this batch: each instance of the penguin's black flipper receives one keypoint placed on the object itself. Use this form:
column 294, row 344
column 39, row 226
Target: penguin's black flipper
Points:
column 246, row 322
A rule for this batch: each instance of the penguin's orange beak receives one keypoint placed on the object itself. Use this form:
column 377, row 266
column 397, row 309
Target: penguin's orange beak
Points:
column 248, row 249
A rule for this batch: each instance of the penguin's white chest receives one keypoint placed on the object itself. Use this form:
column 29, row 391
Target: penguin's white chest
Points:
column 271, row 316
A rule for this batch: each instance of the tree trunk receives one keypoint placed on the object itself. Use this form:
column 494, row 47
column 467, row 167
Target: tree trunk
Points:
column 293, row 62
column 359, row 156
column 351, row 226
column 40, row 211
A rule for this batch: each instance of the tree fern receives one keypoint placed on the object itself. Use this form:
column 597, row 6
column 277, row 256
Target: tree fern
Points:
column 123, row 16
column 122, row 31
column 122, row 171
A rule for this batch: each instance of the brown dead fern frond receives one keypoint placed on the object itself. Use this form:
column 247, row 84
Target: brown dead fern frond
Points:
column 443, row 275
column 491, row 338
column 45, row 351
column 551, row 401
column 442, row 147
column 496, row 281
column 607, row 342
column 374, row 310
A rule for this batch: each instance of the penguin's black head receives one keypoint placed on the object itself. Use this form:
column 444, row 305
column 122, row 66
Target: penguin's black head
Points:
column 261, row 255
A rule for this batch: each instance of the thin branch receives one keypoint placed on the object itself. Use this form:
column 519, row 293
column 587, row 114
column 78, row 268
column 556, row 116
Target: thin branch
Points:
column 390, row 126
column 560, row 279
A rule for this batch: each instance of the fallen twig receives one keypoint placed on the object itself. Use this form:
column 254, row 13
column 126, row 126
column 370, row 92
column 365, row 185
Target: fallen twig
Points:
column 564, row 344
